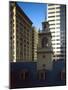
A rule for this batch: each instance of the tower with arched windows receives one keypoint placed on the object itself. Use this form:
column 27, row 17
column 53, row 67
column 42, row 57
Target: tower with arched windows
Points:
column 44, row 52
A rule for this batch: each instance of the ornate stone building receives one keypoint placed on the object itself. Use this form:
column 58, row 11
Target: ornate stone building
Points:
column 20, row 43
column 44, row 48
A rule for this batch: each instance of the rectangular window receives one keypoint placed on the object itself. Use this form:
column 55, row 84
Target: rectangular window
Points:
column 57, row 27
column 58, row 39
column 57, row 11
column 51, row 20
column 57, row 19
column 58, row 43
column 51, row 4
column 57, row 7
column 50, row 16
column 51, row 12
column 58, row 23
column 53, row 35
column 57, row 15
column 58, row 47
column 52, row 28
column 52, row 24
column 51, row 8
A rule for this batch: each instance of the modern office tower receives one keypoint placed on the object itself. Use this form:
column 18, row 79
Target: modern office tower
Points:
column 57, row 21
column 34, row 43
column 44, row 50
column 20, row 34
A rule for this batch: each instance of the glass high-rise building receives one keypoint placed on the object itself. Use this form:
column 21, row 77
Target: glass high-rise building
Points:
column 56, row 15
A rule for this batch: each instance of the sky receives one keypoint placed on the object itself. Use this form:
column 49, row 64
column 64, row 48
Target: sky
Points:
column 37, row 12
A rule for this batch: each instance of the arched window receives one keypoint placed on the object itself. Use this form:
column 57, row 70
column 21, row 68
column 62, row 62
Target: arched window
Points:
column 41, row 75
column 44, row 42
column 24, row 75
